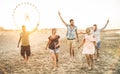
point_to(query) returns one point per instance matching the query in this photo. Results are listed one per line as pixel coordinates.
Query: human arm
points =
(81, 33)
(77, 36)
(48, 44)
(62, 18)
(19, 41)
(94, 41)
(105, 25)
(34, 29)
(58, 44)
(95, 44)
(82, 43)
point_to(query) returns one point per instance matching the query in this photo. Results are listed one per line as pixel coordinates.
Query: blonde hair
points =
(53, 29)
(88, 30)
(23, 26)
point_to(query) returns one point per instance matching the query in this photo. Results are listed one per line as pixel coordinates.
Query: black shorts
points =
(25, 50)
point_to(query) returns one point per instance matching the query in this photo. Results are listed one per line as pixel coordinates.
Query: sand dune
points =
(40, 61)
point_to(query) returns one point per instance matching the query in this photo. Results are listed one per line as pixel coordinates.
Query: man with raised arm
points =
(25, 45)
(96, 33)
(71, 35)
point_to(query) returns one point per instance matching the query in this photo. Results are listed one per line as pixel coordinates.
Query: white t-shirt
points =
(97, 33)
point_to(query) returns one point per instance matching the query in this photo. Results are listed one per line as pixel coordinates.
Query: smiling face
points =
(71, 22)
(88, 30)
(53, 31)
(23, 28)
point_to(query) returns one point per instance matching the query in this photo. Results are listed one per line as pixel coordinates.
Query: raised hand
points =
(37, 24)
(45, 48)
(59, 13)
(108, 21)
(62, 19)
(17, 46)
(79, 47)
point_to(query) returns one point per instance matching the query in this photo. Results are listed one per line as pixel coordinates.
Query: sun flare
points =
(26, 14)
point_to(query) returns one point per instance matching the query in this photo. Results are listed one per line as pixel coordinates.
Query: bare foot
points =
(89, 68)
(54, 68)
(71, 58)
(113, 66)
(26, 60)
(98, 60)
(57, 65)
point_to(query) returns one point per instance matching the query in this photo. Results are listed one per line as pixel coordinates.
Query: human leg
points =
(88, 61)
(23, 52)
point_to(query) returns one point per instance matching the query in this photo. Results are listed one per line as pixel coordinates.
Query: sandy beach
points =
(11, 61)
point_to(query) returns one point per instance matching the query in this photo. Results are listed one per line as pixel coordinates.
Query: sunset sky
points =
(84, 12)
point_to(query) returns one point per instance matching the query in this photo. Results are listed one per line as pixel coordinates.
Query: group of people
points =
(90, 43)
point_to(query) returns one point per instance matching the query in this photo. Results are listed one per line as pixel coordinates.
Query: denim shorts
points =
(54, 50)
(98, 45)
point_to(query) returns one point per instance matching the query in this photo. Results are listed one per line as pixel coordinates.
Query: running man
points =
(96, 33)
(25, 45)
(71, 35)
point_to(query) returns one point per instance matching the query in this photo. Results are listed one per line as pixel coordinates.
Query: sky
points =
(84, 12)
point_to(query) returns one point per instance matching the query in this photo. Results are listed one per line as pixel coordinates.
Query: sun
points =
(26, 14)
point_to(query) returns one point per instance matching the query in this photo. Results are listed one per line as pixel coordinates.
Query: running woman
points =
(54, 45)
(88, 44)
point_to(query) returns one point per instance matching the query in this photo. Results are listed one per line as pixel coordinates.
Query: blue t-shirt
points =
(71, 33)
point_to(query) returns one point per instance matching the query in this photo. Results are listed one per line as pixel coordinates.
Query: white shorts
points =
(54, 50)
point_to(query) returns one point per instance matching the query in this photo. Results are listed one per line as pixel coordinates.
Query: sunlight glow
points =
(26, 15)
(84, 12)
